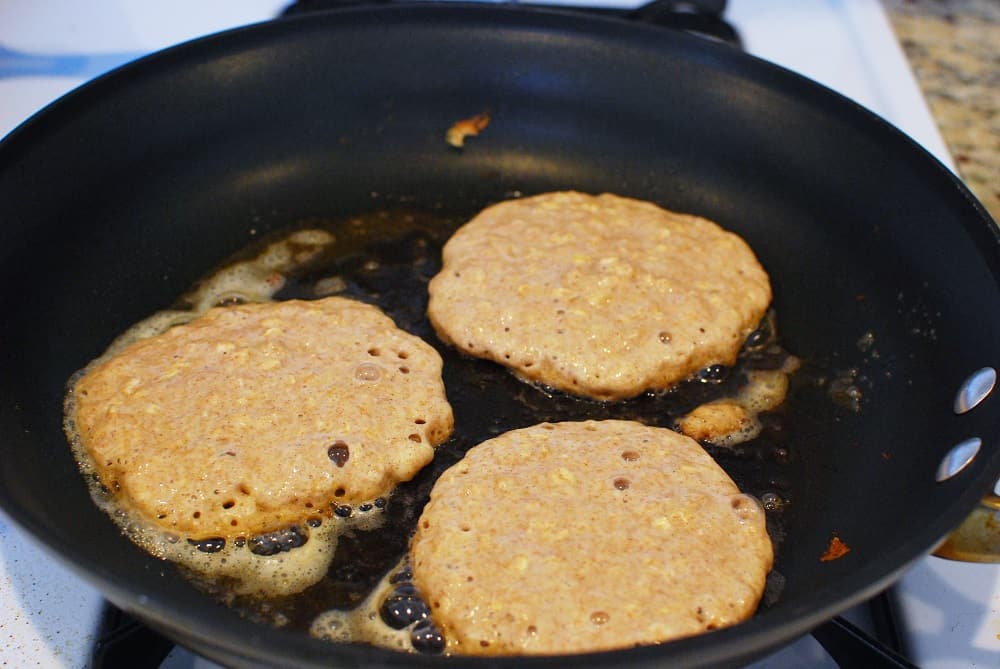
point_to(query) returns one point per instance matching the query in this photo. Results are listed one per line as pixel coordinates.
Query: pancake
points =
(253, 418)
(599, 296)
(587, 536)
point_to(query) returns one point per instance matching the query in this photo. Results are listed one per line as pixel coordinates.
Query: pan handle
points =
(977, 539)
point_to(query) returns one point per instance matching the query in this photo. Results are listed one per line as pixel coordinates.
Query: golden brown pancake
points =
(601, 296)
(255, 417)
(575, 537)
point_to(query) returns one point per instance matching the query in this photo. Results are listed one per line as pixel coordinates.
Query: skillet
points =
(118, 197)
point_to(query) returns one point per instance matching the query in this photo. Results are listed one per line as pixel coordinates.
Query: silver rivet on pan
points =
(975, 389)
(958, 458)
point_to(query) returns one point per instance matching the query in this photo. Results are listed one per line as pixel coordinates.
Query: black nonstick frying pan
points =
(885, 269)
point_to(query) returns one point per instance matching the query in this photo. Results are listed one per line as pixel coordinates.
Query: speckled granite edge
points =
(952, 46)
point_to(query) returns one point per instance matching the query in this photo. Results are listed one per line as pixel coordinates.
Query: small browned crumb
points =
(712, 421)
(836, 549)
(465, 128)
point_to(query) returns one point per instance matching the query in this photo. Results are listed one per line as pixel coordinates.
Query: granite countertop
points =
(954, 49)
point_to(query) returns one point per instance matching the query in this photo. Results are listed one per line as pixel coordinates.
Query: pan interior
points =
(118, 198)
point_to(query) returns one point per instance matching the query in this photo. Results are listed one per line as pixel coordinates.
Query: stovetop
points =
(947, 614)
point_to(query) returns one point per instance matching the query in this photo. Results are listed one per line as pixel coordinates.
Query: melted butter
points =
(735, 419)
(256, 279)
(363, 622)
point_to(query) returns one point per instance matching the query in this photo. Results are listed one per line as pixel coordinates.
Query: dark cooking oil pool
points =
(387, 258)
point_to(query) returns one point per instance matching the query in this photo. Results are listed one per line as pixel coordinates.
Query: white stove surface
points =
(48, 616)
